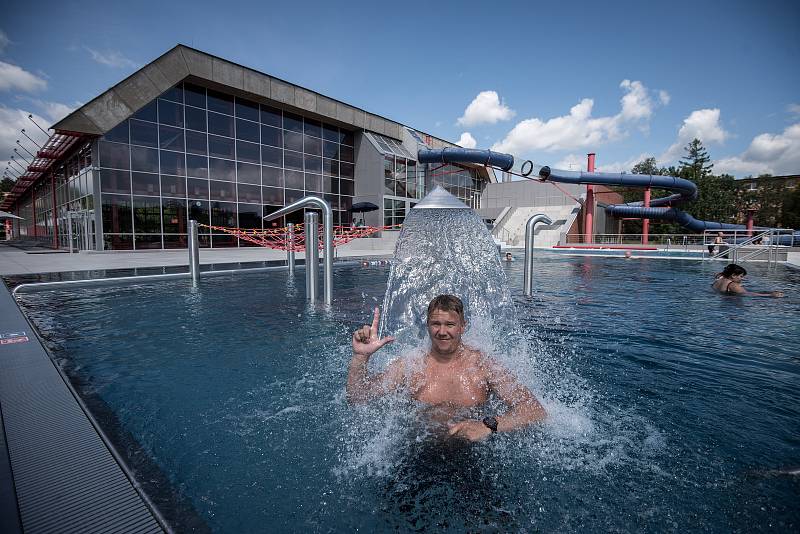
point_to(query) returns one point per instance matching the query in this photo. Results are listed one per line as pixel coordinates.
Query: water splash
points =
(444, 251)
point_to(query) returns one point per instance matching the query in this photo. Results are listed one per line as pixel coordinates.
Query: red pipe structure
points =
(589, 213)
(646, 222)
(749, 224)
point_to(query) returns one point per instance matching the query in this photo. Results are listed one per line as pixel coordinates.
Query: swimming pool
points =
(670, 407)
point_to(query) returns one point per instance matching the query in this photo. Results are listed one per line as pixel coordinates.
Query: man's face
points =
(445, 329)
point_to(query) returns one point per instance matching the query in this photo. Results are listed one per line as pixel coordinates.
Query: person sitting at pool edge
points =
(729, 282)
(452, 375)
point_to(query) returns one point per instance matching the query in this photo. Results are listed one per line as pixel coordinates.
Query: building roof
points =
(184, 63)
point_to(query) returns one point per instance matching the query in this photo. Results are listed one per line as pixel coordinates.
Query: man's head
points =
(446, 323)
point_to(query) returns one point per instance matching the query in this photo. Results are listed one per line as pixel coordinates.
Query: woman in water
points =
(729, 282)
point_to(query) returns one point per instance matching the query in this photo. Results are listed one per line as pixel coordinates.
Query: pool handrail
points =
(194, 253)
(290, 247)
(327, 237)
(529, 227)
(312, 255)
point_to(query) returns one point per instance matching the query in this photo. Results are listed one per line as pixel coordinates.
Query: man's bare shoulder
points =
(479, 360)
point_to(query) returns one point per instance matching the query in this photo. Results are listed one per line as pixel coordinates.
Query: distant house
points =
(790, 181)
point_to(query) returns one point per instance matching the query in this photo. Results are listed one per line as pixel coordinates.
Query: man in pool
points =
(451, 377)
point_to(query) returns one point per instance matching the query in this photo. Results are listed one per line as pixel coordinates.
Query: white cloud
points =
(579, 129)
(14, 77)
(576, 130)
(486, 108)
(793, 109)
(11, 122)
(623, 166)
(571, 162)
(577, 162)
(768, 153)
(702, 124)
(4, 41)
(111, 58)
(664, 97)
(736, 166)
(636, 103)
(467, 141)
(54, 111)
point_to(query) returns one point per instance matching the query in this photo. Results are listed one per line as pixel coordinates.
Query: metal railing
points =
(529, 228)
(743, 248)
(504, 235)
(312, 240)
(657, 240)
(786, 235)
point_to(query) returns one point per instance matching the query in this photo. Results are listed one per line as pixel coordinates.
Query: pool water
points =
(671, 408)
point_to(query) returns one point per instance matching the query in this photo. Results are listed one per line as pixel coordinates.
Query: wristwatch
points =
(491, 423)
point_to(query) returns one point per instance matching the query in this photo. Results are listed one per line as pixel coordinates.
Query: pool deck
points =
(41, 260)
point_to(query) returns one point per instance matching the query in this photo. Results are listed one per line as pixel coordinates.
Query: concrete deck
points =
(14, 261)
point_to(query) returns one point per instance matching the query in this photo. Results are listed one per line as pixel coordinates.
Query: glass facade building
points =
(196, 153)
(224, 157)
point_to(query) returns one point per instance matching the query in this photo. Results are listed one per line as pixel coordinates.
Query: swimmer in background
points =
(451, 378)
(729, 282)
(712, 248)
(509, 257)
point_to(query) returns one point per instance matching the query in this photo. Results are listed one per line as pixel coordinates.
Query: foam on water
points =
(450, 251)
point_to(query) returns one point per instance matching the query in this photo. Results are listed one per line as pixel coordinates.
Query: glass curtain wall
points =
(74, 188)
(195, 153)
(404, 185)
(460, 182)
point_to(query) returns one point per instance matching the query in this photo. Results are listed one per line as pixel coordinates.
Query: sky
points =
(548, 82)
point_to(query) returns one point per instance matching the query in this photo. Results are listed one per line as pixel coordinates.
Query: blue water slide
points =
(662, 209)
(466, 155)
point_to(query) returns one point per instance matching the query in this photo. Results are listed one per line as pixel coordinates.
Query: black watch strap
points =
(491, 423)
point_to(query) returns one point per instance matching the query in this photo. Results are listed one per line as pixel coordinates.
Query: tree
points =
(790, 214)
(697, 163)
(768, 199)
(719, 198)
(6, 185)
(646, 166)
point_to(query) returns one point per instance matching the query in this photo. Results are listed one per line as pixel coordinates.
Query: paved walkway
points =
(16, 261)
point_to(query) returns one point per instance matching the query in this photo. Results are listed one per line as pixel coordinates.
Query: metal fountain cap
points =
(439, 198)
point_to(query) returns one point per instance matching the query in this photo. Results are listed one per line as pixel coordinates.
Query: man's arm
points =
(524, 408)
(360, 386)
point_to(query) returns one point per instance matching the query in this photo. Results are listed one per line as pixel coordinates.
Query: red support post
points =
(589, 207)
(749, 226)
(54, 211)
(646, 222)
(33, 207)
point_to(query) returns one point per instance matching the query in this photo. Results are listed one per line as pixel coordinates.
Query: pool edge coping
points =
(38, 356)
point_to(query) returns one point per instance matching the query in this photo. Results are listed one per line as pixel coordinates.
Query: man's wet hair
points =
(446, 303)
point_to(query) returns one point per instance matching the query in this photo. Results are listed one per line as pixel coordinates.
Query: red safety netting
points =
(278, 238)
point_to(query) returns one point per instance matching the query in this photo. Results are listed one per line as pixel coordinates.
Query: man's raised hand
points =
(365, 339)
